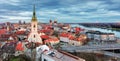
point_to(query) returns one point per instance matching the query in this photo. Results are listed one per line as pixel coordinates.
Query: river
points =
(117, 33)
(93, 56)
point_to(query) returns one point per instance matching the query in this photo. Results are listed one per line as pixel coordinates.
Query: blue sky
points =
(61, 10)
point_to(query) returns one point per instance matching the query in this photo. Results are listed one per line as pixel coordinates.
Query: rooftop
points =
(63, 56)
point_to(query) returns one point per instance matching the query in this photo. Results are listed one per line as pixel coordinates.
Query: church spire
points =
(34, 18)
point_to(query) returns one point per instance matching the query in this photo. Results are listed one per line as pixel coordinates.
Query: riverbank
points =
(102, 26)
(93, 56)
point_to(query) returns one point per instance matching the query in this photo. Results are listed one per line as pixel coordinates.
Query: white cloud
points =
(3, 10)
(25, 13)
(112, 13)
(11, 2)
(48, 13)
(115, 1)
(15, 17)
(68, 10)
(95, 5)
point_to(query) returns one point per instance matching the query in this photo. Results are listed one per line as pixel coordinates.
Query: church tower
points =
(34, 36)
(34, 21)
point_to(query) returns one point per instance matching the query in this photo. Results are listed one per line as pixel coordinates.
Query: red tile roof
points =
(52, 40)
(45, 30)
(44, 36)
(19, 46)
(20, 32)
(3, 31)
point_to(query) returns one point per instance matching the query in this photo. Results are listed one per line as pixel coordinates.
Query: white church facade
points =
(34, 36)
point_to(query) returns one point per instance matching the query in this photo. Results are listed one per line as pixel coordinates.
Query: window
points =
(34, 26)
(34, 36)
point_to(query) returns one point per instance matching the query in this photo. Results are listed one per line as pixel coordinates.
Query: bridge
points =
(71, 48)
(94, 49)
(111, 54)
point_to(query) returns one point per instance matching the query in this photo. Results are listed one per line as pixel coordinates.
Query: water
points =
(117, 33)
(93, 56)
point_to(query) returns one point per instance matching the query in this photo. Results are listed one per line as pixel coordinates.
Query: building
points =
(100, 37)
(34, 36)
(44, 53)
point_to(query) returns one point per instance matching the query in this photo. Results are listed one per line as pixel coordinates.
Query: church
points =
(34, 36)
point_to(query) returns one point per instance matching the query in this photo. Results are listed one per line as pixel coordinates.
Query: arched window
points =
(34, 26)
(34, 36)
